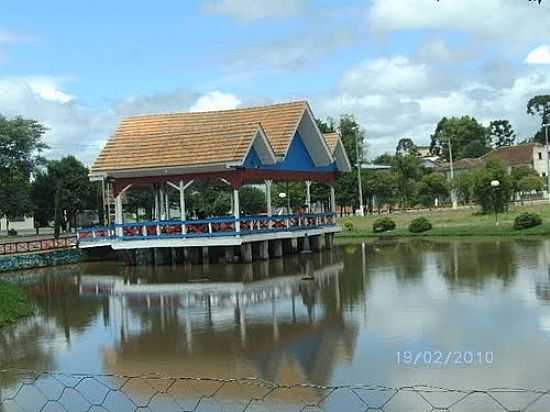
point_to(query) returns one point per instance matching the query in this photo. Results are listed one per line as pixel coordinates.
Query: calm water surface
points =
(366, 305)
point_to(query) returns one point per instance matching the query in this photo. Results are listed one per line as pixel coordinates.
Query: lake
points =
(468, 313)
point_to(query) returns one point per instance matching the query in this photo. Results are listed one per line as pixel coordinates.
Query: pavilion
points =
(256, 145)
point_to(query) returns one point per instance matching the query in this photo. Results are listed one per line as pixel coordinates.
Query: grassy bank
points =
(462, 222)
(13, 303)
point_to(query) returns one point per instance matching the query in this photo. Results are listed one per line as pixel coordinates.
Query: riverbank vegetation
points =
(448, 222)
(13, 303)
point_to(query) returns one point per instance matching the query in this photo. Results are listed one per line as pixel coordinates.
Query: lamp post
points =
(495, 185)
(282, 195)
(547, 161)
(359, 182)
(453, 193)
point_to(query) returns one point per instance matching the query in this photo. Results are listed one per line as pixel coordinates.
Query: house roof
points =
(332, 140)
(521, 154)
(188, 139)
(466, 163)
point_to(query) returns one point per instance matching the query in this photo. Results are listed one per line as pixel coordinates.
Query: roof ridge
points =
(246, 108)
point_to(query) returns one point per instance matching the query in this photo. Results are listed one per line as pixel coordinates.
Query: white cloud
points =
(74, 128)
(396, 97)
(540, 55)
(288, 53)
(215, 101)
(386, 75)
(487, 18)
(257, 9)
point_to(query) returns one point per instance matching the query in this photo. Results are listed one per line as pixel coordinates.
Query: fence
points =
(39, 245)
(50, 391)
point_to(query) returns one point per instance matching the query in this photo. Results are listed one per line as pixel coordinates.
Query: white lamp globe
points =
(495, 183)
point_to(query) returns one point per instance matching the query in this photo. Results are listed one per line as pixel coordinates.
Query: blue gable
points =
(252, 160)
(297, 159)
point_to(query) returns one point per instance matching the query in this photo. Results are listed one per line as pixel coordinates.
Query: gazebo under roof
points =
(279, 142)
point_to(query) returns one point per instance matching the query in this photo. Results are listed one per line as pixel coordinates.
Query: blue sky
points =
(397, 66)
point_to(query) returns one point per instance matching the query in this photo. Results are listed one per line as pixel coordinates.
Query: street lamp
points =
(453, 192)
(495, 185)
(359, 182)
(282, 195)
(547, 161)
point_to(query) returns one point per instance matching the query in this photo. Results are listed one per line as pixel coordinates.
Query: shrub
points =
(526, 220)
(419, 225)
(12, 232)
(348, 225)
(383, 225)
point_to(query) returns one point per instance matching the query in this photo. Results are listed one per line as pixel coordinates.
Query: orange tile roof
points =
(521, 154)
(332, 140)
(192, 139)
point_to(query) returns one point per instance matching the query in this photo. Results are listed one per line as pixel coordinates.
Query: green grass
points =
(13, 303)
(447, 222)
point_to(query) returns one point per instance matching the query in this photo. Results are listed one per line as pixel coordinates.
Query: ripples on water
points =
(366, 303)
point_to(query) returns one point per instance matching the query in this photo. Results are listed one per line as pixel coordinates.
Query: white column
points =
(268, 201)
(236, 210)
(332, 199)
(157, 205)
(308, 195)
(166, 204)
(118, 214)
(183, 215)
(162, 200)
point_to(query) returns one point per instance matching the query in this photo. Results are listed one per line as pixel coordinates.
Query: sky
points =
(397, 65)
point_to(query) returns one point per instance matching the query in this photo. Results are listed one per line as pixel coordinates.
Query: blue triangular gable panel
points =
(252, 159)
(298, 158)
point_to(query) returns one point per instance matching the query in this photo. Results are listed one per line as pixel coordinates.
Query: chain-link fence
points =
(52, 391)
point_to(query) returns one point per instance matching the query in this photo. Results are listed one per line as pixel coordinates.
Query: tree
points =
(382, 185)
(540, 106)
(464, 185)
(383, 159)
(493, 199)
(532, 183)
(501, 133)
(325, 126)
(20, 147)
(14, 195)
(431, 187)
(141, 198)
(467, 136)
(252, 200)
(407, 170)
(406, 146)
(21, 144)
(66, 182)
(42, 194)
(353, 137)
(519, 173)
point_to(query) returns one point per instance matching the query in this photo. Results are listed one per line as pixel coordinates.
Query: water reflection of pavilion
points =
(285, 329)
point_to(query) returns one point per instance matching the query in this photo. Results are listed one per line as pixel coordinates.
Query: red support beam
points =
(236, 177)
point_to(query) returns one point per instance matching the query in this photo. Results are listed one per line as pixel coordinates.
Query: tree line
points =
(49, 190)
(408, 183)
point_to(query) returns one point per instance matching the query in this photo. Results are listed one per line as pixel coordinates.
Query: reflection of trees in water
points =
(399, 257)
(23, 346)
(474, 263)
(58, 299)
(58, 310)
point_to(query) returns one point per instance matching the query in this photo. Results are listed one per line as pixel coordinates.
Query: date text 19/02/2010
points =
(444, 358)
